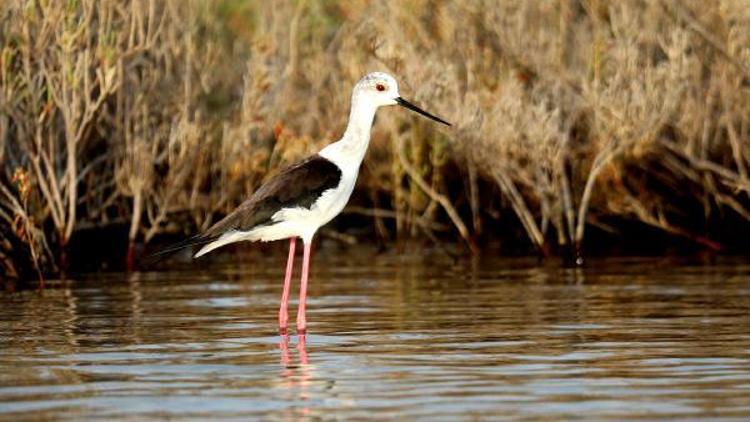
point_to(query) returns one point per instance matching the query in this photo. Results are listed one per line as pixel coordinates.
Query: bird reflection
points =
(302, 350)
(286, 357)
(296, 378)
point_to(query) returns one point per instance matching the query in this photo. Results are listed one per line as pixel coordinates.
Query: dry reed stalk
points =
(165, 115)
(437, 197)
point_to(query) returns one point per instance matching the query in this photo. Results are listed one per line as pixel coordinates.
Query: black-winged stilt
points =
(297, 201)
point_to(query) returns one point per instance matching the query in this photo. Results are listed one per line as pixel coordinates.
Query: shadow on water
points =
(389, 336)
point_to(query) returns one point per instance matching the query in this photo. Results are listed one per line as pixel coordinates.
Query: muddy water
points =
(389, 336)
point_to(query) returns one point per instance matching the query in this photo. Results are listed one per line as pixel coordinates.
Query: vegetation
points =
(161, 116)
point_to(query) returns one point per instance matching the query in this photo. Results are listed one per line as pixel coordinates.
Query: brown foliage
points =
(155, 112)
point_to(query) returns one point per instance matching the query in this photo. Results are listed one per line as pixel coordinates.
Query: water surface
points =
(389, 336)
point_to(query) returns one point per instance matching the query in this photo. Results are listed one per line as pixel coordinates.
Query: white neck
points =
(349, 151)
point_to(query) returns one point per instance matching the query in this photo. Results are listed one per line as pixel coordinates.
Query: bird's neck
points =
(351, 148)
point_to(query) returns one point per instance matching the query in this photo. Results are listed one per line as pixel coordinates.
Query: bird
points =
(299, 199)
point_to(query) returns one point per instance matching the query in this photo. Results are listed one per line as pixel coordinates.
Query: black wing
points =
(298, 185)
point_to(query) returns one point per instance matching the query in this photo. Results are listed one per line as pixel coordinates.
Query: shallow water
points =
(389, 336)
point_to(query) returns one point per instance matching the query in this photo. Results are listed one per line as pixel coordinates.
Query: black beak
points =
(403, 103)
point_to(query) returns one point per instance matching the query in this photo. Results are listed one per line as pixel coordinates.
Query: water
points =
(390, 337)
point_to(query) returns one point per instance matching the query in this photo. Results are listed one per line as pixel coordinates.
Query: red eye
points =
(380, 87)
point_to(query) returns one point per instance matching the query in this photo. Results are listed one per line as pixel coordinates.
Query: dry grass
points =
(155, 114)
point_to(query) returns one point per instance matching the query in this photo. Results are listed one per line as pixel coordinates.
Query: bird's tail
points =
(224, 239)
(197, 240)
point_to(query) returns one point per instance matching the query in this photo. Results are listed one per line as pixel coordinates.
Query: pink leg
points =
(283, 314)
(301, 321)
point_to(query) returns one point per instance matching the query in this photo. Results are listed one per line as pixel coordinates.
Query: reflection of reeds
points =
(155, 112)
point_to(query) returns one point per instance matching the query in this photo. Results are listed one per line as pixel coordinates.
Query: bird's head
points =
(381, 89)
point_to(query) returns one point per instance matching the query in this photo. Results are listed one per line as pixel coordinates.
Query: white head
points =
(377, 88)
(381, 89)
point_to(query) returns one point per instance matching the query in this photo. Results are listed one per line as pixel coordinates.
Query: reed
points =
(161, 116)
